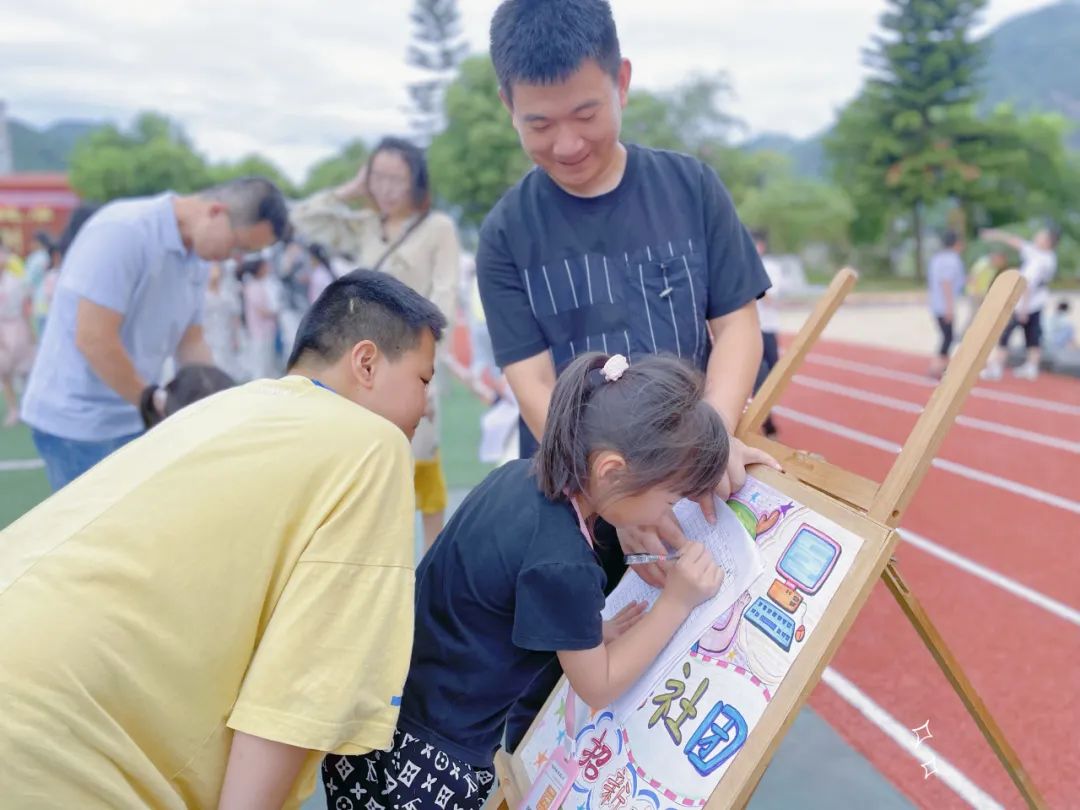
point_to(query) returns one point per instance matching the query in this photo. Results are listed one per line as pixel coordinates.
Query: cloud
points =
(295, 79)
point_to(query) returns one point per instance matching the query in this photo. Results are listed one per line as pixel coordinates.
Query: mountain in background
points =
(1032, 63)
(45, 150)
(807, 155)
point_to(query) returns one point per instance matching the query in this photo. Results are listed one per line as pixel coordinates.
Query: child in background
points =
(16, 336)
(1038, 264)
(191, 383)
(221, 320)
(514, 580)
(322, 275)
(769, 319)
(262, 304)
(1060, 332)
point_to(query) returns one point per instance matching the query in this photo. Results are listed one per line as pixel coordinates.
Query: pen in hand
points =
(645, 559)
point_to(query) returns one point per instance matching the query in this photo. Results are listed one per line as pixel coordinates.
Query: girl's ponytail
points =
(562, 462)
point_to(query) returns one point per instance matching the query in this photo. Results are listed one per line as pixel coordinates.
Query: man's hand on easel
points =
(666, 536)
(740, 457)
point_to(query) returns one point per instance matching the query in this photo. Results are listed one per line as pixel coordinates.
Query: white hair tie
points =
(615, 366)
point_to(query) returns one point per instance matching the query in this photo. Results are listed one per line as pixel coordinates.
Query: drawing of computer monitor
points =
(803, 567)
(808, 560)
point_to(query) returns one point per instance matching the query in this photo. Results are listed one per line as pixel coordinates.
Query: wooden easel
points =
(872, 508)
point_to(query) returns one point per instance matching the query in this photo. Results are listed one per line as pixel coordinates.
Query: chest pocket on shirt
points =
(667, 301)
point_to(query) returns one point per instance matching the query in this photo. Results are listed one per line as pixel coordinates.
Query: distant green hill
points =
(1033, 63)
(807, 156)
(45, 150)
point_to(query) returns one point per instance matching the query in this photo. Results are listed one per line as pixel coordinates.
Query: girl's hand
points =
(623, 621)
(694, 577)
(665, 536)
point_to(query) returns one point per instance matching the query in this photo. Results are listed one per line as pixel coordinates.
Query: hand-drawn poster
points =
(674, 748)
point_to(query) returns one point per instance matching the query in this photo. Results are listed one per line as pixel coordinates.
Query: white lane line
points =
(1015, 487)
(906, 406)
(21, 464)
(925, 382)
(1040, 600)
(921, 753)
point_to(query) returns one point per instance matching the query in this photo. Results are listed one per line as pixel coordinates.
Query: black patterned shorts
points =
(413, 775)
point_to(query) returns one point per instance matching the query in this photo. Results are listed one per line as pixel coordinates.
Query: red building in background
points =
(33, 201)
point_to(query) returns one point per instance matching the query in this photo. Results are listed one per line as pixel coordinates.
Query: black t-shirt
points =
(510, 581)
(639, 270)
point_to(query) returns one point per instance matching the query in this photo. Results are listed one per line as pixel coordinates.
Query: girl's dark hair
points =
(413, 156)
(251, 267)
(190, 384)
(319, 254)
(654, 416)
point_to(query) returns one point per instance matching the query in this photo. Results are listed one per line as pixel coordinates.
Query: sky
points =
(295, 79)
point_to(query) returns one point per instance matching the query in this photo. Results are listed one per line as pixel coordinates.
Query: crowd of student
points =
(206, 611)
(948, 282)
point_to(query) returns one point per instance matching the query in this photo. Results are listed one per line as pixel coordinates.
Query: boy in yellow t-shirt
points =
(196, 620)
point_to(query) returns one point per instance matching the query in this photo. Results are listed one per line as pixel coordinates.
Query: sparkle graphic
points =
(929, 767)
(920, 738)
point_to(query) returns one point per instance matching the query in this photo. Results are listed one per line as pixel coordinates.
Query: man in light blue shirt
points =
(945, 277)
(130, 296)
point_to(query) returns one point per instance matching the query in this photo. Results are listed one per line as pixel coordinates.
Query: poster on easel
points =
(687, 724)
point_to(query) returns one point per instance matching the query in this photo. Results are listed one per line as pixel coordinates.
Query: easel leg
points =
(962, 686)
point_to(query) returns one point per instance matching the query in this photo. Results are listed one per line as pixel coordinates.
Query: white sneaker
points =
(1026, 372)
(991, 373)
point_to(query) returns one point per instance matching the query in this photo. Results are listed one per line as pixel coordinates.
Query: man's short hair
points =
(252, 200)
(949, 238)
(545, 41)
(365, 305)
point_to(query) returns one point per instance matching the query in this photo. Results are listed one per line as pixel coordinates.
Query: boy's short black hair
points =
(949, 238)
(544, 41)
(1063, 305)
(365, 305)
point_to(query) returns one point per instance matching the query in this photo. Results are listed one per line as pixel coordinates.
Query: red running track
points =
(1023, 659)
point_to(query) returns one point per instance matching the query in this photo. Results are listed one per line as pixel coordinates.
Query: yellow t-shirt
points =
(248, 565)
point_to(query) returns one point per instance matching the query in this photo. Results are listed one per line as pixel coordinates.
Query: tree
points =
(254, 165)
(647, 121)
(1035, 175)
(797, 212)
(333, 171)
(912, 138)
(688, 118)
(437, 49)
(155, 155)
(477, 157)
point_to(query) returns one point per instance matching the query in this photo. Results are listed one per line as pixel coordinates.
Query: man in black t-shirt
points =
(605, 246)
